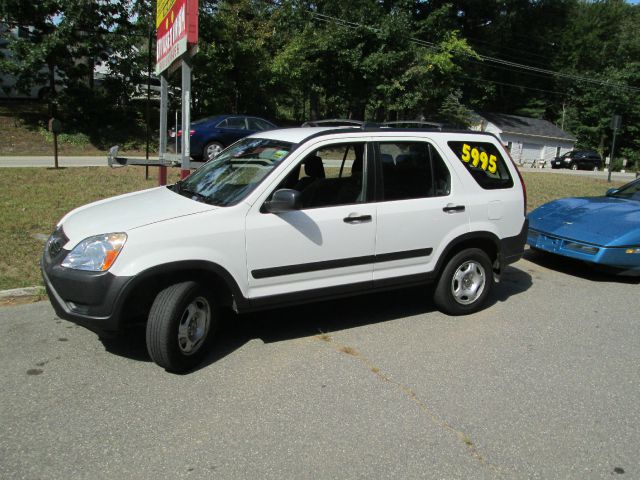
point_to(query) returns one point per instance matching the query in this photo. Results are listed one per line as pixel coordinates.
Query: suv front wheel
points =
(465, 283)
(182, 321)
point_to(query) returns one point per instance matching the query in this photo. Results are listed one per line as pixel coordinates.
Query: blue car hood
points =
(607, 221)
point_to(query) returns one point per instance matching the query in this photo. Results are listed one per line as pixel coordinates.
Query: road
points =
(101, 161)
(542, 384)
(603, 175)
(47, 161)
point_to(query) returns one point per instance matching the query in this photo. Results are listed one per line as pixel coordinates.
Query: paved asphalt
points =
(101, 161)
(48, 161)
(543, 384)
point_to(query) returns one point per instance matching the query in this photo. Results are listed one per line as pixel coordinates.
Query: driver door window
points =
(330, 176)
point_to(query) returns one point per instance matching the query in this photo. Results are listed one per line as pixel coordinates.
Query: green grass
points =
(544, 187)
(32, 201)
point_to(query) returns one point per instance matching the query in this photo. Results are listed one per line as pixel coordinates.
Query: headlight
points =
(96, 254)
(567, 160)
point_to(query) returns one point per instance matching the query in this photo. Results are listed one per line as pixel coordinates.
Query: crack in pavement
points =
(411, 395)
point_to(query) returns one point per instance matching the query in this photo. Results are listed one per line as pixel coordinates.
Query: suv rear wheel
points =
(465, 283)
(182, 321)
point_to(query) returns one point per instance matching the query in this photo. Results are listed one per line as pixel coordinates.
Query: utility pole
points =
(150, 44)
(616, 122)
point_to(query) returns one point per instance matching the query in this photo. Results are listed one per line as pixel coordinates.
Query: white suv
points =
(290, 216)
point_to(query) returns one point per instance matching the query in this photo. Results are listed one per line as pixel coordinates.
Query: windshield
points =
(235, 172)
(631, 190)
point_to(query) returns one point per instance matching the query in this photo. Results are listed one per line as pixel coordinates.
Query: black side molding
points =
(339, 263)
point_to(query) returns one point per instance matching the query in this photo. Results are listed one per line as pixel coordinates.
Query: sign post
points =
(186, 118)
(55, 127)
(616, 122)
(177, 41)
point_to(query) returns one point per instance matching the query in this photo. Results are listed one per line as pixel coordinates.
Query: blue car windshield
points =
(631, 191)
(235, 172)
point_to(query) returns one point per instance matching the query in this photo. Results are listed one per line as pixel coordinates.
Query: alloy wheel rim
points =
(468, 282)
(213, 150)
(194, 326)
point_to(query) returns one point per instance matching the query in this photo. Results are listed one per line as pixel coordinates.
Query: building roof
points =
(526, 126)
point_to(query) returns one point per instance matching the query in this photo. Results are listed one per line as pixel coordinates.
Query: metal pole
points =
(613, 147)
(164, 89)
(55, 149)
(186, 118)
(146, 168)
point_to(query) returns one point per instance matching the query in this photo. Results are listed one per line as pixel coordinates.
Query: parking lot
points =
(542, 384)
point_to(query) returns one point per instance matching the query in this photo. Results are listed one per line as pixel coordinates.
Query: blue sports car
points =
(601, 230)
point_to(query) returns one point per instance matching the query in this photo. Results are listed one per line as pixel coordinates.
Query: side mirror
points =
(611, 191)
(283, 200)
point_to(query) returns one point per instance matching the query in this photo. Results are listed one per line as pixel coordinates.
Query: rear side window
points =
(259, 124)
(234, 122)
(484, 162)
(412, 170)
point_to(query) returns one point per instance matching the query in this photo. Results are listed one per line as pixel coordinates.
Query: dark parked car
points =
(578, 160)
(209, 136)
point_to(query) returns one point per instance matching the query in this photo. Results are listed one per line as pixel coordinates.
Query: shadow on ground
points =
(311, 319)
(579, 269)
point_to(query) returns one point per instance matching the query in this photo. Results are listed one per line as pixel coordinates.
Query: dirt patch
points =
(14, 301)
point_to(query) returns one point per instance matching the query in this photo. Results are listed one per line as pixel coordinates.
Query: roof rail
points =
(415, 124)
(334, 122)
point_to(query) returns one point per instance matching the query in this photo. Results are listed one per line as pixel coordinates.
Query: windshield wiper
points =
(185, 192)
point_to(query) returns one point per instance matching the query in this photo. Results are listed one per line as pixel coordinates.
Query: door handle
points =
(357, 219)
(451, 208)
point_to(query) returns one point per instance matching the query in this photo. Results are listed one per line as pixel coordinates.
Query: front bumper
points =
(90, 299)
(615, 257)
(559, 164)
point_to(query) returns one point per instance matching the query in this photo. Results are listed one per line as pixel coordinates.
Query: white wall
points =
(538, 148)
(546, 147)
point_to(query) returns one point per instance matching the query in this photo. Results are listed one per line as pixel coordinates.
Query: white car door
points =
(329, 241)
(422, 207)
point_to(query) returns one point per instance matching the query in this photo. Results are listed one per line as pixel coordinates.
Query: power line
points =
(353, 25)
(514, 85)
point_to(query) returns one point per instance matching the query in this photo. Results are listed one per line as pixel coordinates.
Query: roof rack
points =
(414, 124)
(334, 122)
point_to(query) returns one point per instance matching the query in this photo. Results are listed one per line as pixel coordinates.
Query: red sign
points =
(177, 30)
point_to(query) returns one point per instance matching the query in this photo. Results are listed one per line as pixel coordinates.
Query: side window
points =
(258, 124)
(330, 176)
(236, 122)
(222, 124)
(412, 170)
(484, 162)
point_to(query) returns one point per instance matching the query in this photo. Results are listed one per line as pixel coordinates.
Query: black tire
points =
(574, 166)
(181, 313)
(479, 267)
(215, 146)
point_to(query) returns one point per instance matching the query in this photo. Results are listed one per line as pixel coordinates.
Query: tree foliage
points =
(292, 60)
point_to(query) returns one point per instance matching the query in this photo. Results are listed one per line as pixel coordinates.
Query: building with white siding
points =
(528, 139)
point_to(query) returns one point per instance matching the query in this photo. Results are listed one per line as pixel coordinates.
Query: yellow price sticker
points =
(478, 159)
